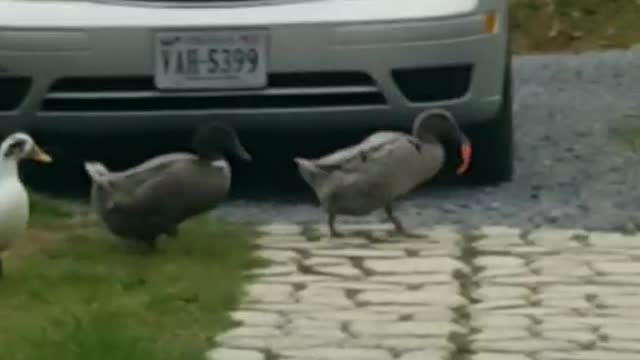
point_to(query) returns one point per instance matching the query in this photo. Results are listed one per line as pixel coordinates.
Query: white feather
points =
(14, 211)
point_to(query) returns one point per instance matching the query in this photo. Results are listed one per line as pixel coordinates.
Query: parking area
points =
(489, 293)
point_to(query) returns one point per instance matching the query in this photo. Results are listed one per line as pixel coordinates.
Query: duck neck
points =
(210, 157)
(8, 169)
(429, 139)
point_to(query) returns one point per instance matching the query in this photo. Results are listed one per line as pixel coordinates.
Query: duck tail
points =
(96, 170)
(308, 170)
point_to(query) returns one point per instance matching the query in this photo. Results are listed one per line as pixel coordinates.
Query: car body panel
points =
(51, 40)
(98, 14)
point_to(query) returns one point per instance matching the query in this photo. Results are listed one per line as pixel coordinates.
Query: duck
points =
(153, 198)
(371, 175)
(14, 198)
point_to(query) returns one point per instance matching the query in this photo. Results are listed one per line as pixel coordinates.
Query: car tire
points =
(493, 142)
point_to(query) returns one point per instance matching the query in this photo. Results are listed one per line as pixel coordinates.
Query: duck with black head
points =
(153, 198)
(372, 174)
(14, 198)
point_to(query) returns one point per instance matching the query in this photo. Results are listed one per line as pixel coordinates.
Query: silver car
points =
(118, 65)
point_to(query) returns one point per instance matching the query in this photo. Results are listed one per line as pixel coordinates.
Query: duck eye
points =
(15, 148)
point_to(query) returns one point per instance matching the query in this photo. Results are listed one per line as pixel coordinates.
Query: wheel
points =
(493, 142)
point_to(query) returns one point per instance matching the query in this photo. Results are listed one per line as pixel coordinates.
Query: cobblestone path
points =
(490, 294)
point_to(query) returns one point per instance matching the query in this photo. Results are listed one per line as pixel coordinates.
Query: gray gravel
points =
(570, 171)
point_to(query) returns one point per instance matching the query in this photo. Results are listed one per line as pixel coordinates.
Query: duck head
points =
(440, 125)
(212, 140)
(19, 146)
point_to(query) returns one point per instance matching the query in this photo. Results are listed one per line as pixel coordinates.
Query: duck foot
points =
(333, 233)
(142, 246)
(151, 246)
(406, 234)
(399, 228)
(172, 232)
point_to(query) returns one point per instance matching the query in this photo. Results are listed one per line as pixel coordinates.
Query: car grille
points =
(433, 83)
(285, 91)
(13, 91)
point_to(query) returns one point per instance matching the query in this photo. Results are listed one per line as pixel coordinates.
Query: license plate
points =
(211, 60)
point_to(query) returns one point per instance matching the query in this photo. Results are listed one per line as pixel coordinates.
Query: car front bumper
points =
(357, 67)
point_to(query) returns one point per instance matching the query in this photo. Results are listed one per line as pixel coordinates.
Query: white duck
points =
(14, 199)
(385, 166)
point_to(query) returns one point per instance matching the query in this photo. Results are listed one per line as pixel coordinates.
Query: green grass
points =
(49, 212)
(71, 291)
(583, 25)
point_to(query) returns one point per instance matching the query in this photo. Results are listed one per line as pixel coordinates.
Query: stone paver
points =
(258, 318)
(269, 292)
(443, 265)
(525, 346)
(496, 292)
(332, 353)
(585, 338)
(551, 294)
(279, 256)
(501, 334)
(354, 315)
(436, 295)
(234, 354)
(403, 328)
(363, 285)
(401, 344)
(424, 354)
(361, 253)
(325, 296)
(281, 229)
(499, 356)
(586, 355)
(411, 279)
(345, 271)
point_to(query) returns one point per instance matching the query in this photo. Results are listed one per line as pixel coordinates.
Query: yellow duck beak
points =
(36, 154)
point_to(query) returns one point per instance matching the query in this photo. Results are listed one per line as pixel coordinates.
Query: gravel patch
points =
(570, 171)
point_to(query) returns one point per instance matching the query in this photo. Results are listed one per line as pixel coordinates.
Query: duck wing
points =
(392, 158)
(380, 147)
(376, 171)
(135, 176)
(176, 191)
(353, 156)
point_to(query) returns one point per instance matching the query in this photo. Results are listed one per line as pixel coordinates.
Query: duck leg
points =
(152, 244)
(332, 227)
(1, 269)
(172, 232)
(400, 229)
(142, 244)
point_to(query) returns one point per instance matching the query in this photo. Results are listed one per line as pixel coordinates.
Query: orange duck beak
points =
(465, 155)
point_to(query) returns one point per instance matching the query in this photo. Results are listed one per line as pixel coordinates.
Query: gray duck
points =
(386, 165)
(152, 199)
